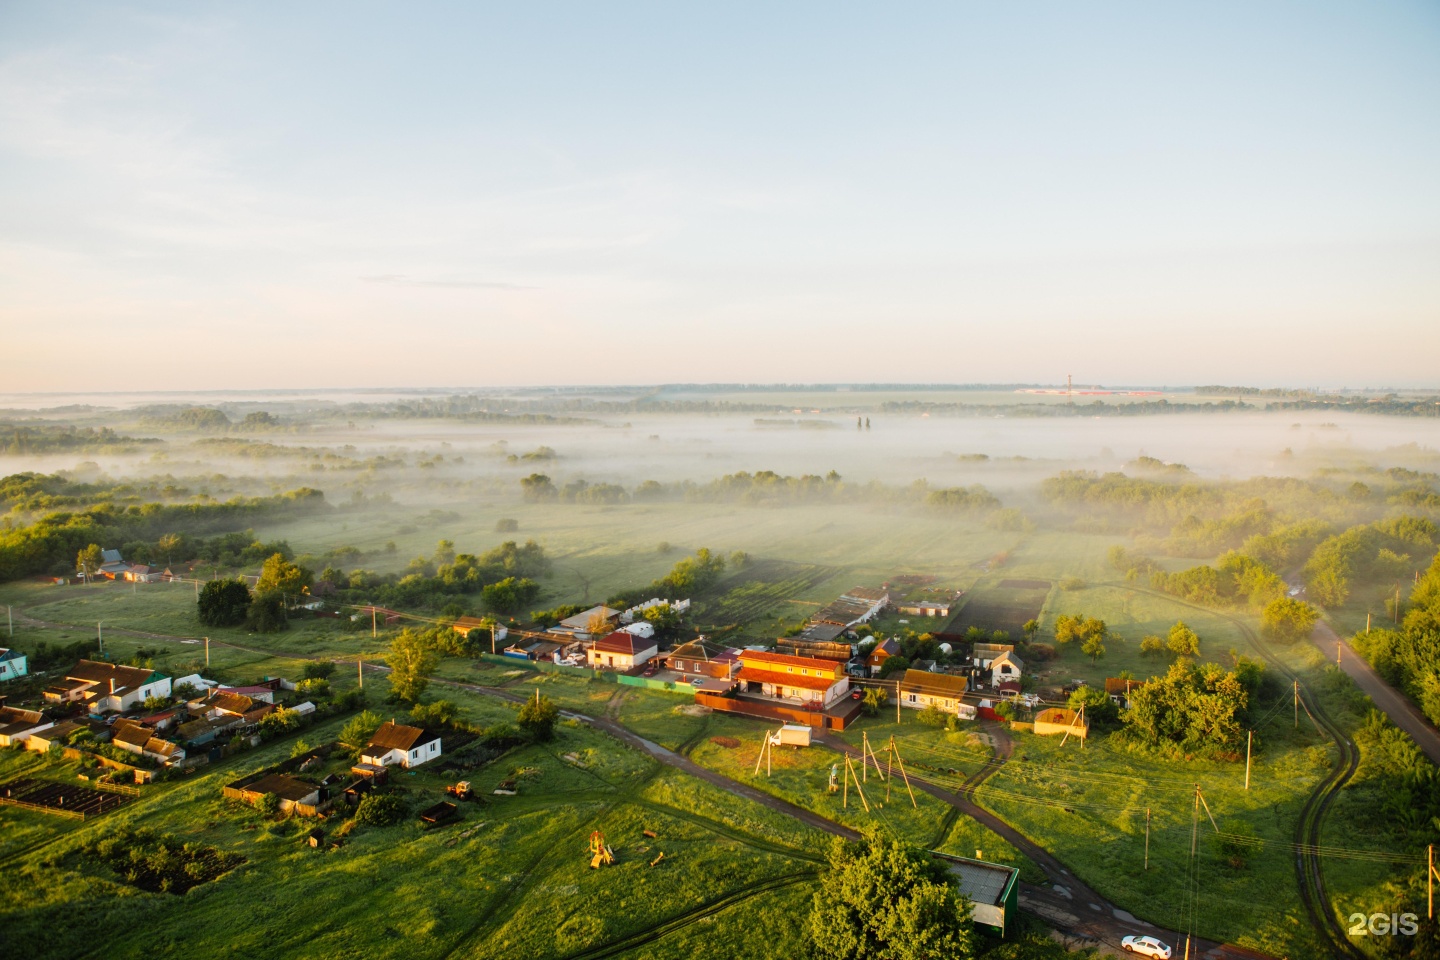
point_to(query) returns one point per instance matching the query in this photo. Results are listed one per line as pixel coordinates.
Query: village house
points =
(1005, 668)
(465, 625)
(926, 607)
(17, 725)
(13, 664)
(704, 658)
(811, 681)
(291, 791)
(943, 691)
(1118, 689)
(135, 737)
(882, 651)
(108, 687)
(621, 651)
(395, 743)
(42, 740)
(141, 573)
(579, 626)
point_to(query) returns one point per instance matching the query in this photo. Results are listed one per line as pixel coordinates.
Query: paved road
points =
(1388, 700)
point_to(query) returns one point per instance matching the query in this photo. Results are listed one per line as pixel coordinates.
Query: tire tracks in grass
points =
(692, 917)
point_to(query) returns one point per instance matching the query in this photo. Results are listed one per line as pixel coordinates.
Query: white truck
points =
(791, 735)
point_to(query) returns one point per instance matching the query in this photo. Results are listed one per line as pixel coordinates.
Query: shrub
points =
(933, 716)
(380, 810)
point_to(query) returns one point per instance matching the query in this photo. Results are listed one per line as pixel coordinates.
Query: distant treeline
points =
(1096, 408)
(205, 419)
(504, 578)
(1389, 406)
(1203, 518)
(762, 488)
(52, 542)
(17, 439)
(30, 493)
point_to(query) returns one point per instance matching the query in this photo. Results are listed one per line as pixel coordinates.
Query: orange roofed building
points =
(807, 679)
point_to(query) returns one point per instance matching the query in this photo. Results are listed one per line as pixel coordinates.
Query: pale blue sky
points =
(463, 194)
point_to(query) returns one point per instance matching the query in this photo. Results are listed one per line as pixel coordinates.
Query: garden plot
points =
(1006, 605)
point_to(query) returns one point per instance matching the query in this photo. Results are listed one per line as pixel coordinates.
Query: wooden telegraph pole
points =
(1430, 876)
(1147, 838)
(207, 651)
(1249, 736)
(1297, 704)
(894, 752)
(374, 623)
(360, 669)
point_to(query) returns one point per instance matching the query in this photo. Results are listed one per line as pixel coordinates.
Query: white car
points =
(1146, 947)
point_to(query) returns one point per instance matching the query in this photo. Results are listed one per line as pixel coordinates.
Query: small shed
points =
(442, 811)
(1061, 720)
(315, 838)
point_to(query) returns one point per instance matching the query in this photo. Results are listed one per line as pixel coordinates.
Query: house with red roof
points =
(809, 680)
(621, 651)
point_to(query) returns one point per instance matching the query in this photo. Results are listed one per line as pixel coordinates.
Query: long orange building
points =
(807, 679)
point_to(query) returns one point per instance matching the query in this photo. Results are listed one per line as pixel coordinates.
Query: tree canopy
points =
(883, 899)
(223, 603)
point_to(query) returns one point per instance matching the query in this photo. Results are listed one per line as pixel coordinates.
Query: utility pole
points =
(492, 638)
(374, 623)
(1249, 736)
(1147, 838)
(360, 668)
(1297, 704)
(1430, 876)
(9, 620)
(100, 635)
(1338, 648)
(207, 651)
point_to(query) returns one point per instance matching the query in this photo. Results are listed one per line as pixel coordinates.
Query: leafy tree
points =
(360, 728)
(1286, 619)
(167, 545)
(156, 704)
(266, 613)
(537, 487)
(318, 670)
(537, 717)
(224, 603)
(1193, 706)
(893, 665)
(875, 699)
(441, 713)
(313, 687)
(1094, 646)
(282, 575)
(279, 722)
(510, 594)
(1100, 711)
(411, 660)
(933, 716)
(380, 810)
(87, 561)
(1151, 645)
(268, 805)
(663, 617)
(1031, 628)
(883, 899)
(1080, 627)
(1183, 641)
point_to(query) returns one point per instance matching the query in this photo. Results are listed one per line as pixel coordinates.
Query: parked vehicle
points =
(1146, 947)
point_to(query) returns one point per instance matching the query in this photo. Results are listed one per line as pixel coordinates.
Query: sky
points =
(272, 195)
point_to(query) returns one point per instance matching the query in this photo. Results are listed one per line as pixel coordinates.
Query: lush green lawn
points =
(519, 885)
